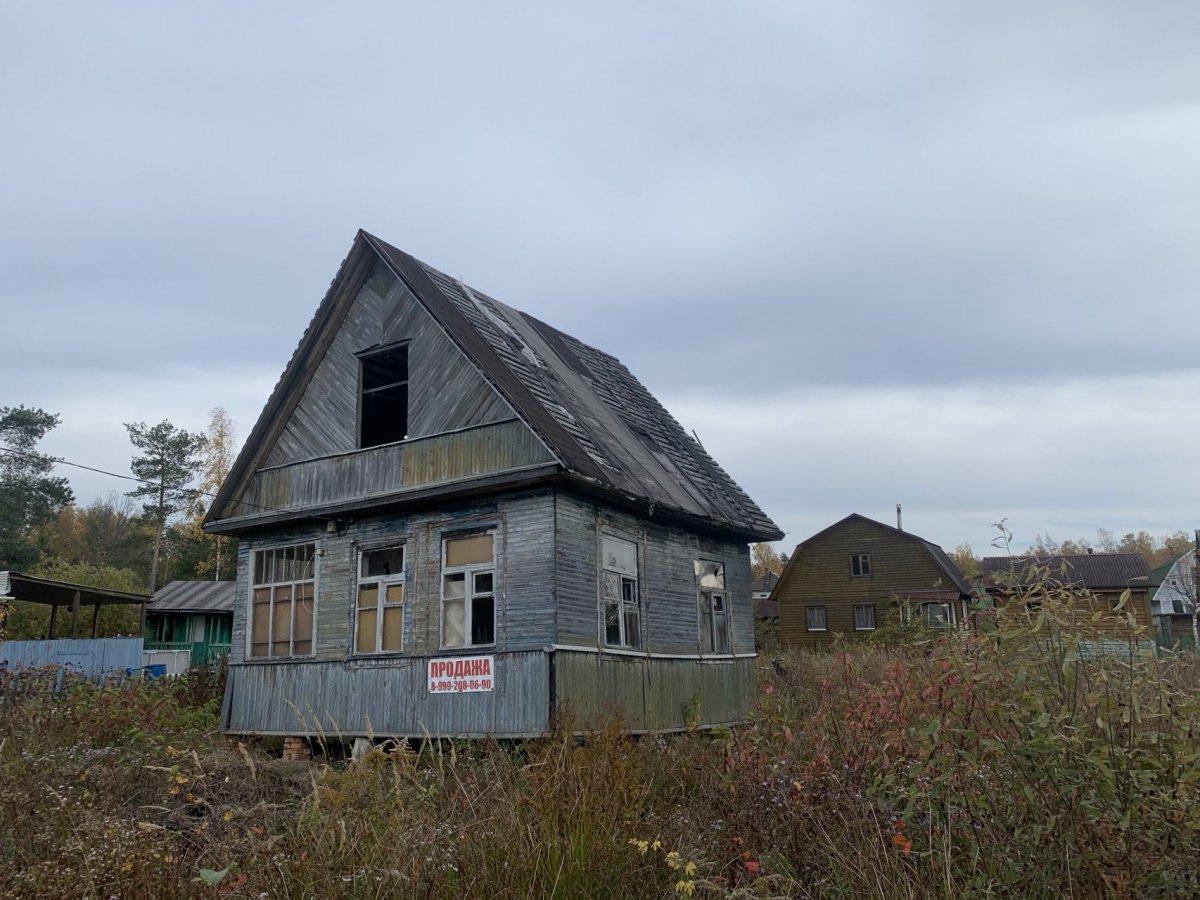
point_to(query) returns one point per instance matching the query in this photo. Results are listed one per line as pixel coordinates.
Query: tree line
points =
(134, 541)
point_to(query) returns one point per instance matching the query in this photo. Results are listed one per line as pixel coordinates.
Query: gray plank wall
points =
(446, 391)
(524, 524)
(671, 617)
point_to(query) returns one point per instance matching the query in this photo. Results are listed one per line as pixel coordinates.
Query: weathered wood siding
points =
(671, 620)
(394, 468)
(820, 576)
(652, 693)
(446, 391)
(386, 698)
(524, 572)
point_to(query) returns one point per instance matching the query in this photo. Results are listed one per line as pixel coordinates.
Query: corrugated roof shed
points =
(1095, 571)
(194, 596)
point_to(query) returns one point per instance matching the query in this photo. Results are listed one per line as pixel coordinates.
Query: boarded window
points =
(714, 606)
(860, 564)
(383, 397)
(864, 618)
(620, 603)
(379, 616)
(282, 600)
(816, 618)
(469, 590)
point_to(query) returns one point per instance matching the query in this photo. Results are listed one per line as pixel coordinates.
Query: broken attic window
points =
(383, 401)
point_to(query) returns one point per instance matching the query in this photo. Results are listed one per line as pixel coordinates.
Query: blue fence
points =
(86, 657)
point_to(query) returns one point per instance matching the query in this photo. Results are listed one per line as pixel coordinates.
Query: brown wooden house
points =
(1097, 581)
(859, 575)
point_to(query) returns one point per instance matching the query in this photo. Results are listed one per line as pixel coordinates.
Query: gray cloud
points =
(887, 202)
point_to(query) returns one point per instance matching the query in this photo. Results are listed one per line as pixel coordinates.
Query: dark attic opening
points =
(383, 399)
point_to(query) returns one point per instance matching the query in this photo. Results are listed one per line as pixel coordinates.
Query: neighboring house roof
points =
(947, 565)
(764, 583)
(607, 431)
(61, 593)
(1174, 586)
(1095, 571)
(194, 596)
(766, 609)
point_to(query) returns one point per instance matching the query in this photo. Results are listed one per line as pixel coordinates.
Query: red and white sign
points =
(461, 674)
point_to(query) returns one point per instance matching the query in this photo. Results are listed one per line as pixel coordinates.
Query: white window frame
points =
(381, 583)
(707, 600)
(274, 585)
(469, 572)
(864, 606)
(948, 622)
(627, 584)
(862, 562)
(808, 618)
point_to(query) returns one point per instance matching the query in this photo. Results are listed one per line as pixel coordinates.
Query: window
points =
(281, 614)
(714, 607)
(619, 592)
(816, 618)
(383, 398)
(864, 618)
(379, 612)
(860, 564)
(939, 615)
(469, 590)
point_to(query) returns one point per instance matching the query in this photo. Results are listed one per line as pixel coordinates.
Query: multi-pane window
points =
(281, 607)
(621, 608)
(816, 618)
(469, 590)
(383, 397)
(864, 618)
(860, 564)
(939, 615)
(714, 607)
(379, 615)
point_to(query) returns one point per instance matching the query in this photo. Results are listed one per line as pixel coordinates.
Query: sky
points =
(930, 253)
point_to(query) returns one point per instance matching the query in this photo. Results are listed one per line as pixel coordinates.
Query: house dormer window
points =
(860, 564)
(383, 396)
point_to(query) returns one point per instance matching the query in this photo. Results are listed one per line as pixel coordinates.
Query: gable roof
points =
(194, 596)
(1095, 571)
(944, 562)
(607, 432)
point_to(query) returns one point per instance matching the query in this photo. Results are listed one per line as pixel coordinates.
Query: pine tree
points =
(170, 459)
(29, 495)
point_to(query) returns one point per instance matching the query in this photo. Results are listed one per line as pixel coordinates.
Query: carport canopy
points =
(56, 594)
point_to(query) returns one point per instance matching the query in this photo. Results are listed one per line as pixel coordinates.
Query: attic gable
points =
(574, 406)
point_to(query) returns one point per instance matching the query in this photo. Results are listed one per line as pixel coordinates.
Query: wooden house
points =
(859, 575)
(196, 616)
(1173, 600)
(455, 519)
(1098, 581)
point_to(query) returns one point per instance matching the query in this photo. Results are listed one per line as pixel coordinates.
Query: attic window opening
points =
(860, 565)
(383, 397)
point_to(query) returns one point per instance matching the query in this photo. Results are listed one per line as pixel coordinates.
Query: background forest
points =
(136, 540)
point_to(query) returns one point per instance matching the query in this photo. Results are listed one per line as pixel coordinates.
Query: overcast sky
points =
(942, 254)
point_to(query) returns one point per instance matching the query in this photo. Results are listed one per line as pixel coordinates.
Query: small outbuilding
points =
(192, 616)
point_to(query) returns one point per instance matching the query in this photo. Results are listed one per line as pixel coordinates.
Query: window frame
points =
(808, 618)
(382, 604)
(870, 607)
(274, 601)
(364, 358)
(861, 562)
(706, 598)
(469, 571)
(623, 604)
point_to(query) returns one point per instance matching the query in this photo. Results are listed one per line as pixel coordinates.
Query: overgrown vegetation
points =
(1007, 762)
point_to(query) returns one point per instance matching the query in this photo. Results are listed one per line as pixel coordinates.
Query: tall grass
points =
(1008, 762)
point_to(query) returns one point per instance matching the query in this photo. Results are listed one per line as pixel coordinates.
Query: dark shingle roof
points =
(764, 583)
(591, 411)
(194, 596)
(1095, 571)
